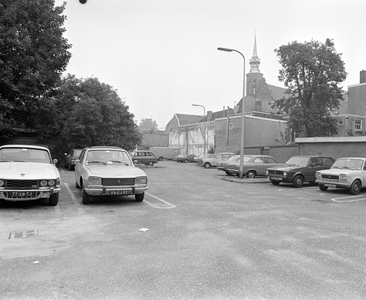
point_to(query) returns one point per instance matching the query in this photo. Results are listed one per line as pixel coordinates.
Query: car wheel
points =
(275, 182)
(250, 174)
(160, 158)
(53, 200)
(228, 173)
(77, 185)
(186, 161)
(322, 187)
(139, 197)
(355, 187)
(207, 165)
(86, 198)
(298, 181)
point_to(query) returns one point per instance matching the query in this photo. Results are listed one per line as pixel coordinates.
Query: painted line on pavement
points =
(73, 198)
(349, 197)
(169, 205)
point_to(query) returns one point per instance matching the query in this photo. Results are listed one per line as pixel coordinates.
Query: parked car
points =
(71, 157)
(108, 171)
(28, 173)
(253, 165)
(185, 158)
(299, 169)
(214, 160)
(346, 173)
(223, 165)
(144, 157)
(165, 152)
(204, 156)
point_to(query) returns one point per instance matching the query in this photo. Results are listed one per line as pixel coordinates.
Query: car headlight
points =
(141, 180)
(2, 182)
(267, 172)
(342, 177)
(93, 180)
(285, 174)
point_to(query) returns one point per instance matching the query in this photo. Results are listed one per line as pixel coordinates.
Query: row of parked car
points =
(345, 172)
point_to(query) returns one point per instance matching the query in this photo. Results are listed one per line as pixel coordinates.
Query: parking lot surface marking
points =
(74, 198)
(341, 199)
(168, 205)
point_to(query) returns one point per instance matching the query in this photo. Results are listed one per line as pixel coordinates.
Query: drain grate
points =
(23, 234)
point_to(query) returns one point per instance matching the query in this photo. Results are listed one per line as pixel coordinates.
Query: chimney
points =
(363, 76)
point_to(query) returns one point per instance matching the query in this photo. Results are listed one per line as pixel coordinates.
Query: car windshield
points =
(348, 163)
(298, 161)
(24, 155)
(108, 157)
(77, 152)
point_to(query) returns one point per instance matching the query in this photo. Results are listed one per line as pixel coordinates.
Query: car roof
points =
(24, 146)
(352, 157)
(309, 155)
(105, 148)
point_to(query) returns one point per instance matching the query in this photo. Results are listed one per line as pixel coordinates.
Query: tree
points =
(33, 55)
(99, 117)
(312, 72)
(148, 125)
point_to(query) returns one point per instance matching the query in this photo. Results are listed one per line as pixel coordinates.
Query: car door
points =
(314, 164)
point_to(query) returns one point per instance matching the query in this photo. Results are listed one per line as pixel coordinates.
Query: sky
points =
(161, 55)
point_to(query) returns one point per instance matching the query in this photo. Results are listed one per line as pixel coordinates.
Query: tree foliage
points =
(97, 116)
(148, 125)
(33, 55)
(311, 72)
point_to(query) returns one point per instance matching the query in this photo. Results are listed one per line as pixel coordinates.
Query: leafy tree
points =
(312, 72)
(148, 125)
(33, 55)
(99, 117)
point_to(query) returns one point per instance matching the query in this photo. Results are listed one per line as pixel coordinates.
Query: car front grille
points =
(21, 184)
(275, 172)
(118, 181)
(330, 177)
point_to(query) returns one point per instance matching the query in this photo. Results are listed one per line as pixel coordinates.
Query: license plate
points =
(122, 192)
(276, 178)
(330, 185)
(22, 195)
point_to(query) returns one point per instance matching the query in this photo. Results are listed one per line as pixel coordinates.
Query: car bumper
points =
(280, 179)
(27, 195)
(115, 191)
(345, 185)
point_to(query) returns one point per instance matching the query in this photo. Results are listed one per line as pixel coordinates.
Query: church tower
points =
(254, 77)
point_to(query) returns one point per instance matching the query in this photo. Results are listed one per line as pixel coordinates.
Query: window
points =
(358, 125)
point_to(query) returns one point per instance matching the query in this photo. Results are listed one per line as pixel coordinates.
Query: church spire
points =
(254, 61)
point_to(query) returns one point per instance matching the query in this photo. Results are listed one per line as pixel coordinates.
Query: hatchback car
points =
(144, 157)
(346, 173)
(299, 169)
(71, 157)
(28, 173)
(108, 171)
(253, 165)
(223, 165)
(216, 159)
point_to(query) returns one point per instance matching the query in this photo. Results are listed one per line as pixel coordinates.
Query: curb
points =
(246, 180)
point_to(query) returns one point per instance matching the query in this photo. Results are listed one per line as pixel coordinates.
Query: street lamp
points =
(204, 126)
(241, 175)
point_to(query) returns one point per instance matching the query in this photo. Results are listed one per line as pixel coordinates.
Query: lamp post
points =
(241, 175)
(204, 126)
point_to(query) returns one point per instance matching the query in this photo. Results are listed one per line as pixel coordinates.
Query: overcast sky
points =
(161, 55)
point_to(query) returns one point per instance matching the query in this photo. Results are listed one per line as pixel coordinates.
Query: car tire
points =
(77, 185)
(275, 182)
(160, 158)
(228, 173)
(355, 187)
(322, 187)
(207, 165)
(186, 161)
(139, 197)
(53, 200)
(85, 198)
(298, 181)
(250, 174)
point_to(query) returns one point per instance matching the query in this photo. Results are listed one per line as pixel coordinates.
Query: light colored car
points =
(27, 172)
(346, 172)
(253, 165)
(71, 157)
(108, 171)
(218, 158)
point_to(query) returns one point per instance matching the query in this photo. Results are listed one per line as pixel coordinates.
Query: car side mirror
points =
(55, 161)
(77, 161)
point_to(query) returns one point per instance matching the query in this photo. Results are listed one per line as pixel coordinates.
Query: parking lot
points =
(199, 234)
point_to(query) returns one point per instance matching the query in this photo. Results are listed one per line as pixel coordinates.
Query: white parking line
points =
(169, 205)
(348, 197)
(73, 198)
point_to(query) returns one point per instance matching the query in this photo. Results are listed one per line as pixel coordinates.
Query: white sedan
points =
(28, 173)
(108, 171)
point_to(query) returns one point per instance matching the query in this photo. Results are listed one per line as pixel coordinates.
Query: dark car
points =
(253, 165)
(223, 165)
(186, 158)
(71, 157)
(299, 169)
(144, 157)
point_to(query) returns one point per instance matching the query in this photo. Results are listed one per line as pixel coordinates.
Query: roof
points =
(184, 119)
